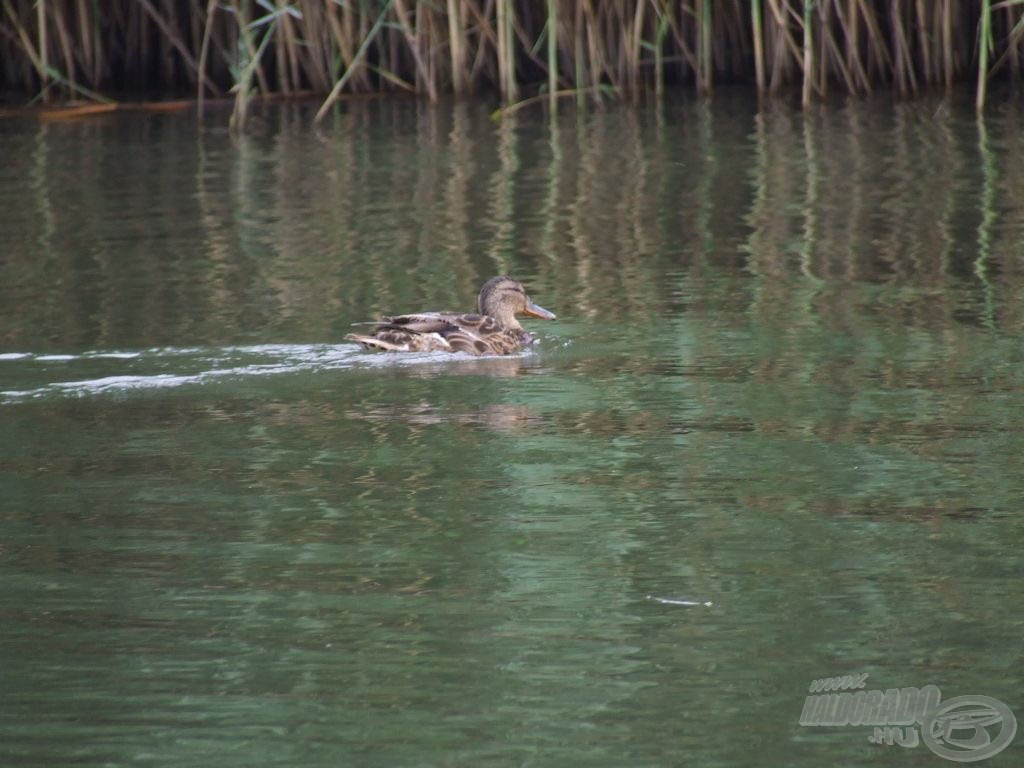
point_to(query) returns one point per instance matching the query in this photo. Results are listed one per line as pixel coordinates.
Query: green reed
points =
(68, 49)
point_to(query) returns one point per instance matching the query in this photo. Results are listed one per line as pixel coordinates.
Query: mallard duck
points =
(494, 331)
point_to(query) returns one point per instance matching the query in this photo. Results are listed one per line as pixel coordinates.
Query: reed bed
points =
(57, 50)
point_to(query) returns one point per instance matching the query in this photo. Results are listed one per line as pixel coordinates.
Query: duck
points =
(493, 330)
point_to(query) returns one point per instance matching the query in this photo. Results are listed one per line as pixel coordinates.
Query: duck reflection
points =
(503, 417)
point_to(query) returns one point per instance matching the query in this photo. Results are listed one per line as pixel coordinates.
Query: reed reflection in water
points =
(154, 235)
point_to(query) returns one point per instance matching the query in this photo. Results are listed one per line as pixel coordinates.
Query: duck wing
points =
(422, 332)
(422, 322)
(444, 331)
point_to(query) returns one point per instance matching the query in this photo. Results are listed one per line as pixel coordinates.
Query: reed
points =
(67, 49)
(808, 51)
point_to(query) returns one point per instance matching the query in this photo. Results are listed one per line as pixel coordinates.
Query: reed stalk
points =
(175, 40)
(984, 44)
(44, 58)
(354, 64)
(26, 41)
(457, 47)
(506, 52)
(629, 47)
(204, 52)
(414, 48)
(808, 53)
(661, 34)
(706, 74)
(552, 32)
(243, 89)
(947, 41)
(758, 34)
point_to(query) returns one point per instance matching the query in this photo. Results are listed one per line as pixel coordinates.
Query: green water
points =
(774, 436)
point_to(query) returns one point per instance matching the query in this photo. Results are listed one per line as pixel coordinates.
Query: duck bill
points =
(535, 310)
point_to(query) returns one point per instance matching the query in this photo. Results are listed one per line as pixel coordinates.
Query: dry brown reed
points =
(516, 48)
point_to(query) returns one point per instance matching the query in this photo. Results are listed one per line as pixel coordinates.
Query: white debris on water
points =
(680, 601)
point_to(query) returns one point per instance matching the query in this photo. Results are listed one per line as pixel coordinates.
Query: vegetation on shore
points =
(75, 49)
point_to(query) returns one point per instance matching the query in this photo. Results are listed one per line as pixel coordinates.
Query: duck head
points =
(503, 298)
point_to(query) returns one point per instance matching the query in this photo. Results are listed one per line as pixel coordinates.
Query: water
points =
(775, 435)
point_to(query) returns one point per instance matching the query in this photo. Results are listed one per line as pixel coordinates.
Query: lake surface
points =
(775, 435)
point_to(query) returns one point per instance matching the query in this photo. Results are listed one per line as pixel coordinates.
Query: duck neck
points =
(502, 314)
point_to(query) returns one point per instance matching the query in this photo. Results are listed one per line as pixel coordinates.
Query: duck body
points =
(444, 332)
(494, 330)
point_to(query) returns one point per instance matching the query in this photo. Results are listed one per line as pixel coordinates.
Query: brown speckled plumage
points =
(494, 331)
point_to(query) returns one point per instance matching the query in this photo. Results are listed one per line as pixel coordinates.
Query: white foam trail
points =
(217, 363)
(112, 355)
